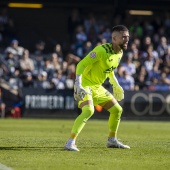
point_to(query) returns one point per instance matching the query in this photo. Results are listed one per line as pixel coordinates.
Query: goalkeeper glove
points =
(118, 92)
(79, 91)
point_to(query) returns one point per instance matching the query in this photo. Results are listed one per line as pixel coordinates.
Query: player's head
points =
(120, 37)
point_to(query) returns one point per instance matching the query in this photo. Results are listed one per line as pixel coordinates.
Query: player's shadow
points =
(20, 148)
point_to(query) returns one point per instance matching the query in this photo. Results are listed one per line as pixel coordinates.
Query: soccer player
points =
(91, 72)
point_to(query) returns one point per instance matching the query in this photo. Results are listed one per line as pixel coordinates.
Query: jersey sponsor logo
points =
(109, 70)
(92, 54)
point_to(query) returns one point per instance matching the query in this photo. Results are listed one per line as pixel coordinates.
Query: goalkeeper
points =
(91, 72)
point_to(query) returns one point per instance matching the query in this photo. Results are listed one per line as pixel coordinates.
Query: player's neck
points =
(116, 49)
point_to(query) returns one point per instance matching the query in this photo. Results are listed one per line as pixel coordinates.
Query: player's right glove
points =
(79, 91)
(118, 92)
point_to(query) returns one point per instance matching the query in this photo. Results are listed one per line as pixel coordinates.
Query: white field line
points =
(4, 167)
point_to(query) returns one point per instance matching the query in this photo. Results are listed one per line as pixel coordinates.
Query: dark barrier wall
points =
(150, 104)
(60, 103)
(49, 103)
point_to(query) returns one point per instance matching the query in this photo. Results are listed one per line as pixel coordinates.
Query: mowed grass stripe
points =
(37, 144)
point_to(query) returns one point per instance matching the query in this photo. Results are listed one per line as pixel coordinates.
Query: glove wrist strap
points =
(78, 80)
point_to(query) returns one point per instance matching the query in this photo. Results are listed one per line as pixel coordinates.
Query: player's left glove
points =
(118, 92)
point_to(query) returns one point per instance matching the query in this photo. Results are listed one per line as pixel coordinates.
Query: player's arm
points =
(89, 59)
(92, 57)
(117, 89)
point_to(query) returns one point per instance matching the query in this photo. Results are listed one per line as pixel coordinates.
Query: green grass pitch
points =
(37, 144)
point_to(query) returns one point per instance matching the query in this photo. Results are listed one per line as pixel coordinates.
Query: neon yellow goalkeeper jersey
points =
(98, 64)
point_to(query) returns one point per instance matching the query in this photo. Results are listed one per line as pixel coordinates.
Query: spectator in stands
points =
(71, 71)
(140, 82)
(163, 83)
(10, 63)
(2, 71)
(165, 75)
(38, 55)
(58, 50)
(167, 57)
(162, 48)
(55, 61)
(136, 54)
(15, 82)
(65, 68)
(137, 42)
(42, 81)
(149, 62)
(15, 49)
(80, 39)
(146, 42)
(128, 65)
(27, 80)
(141, 78)
(72, 59)
(150, 49)
(48, 67)
(26, 63)
(87, 47)
(126, 81)
(151, 58)
(154, 73)
(107, 35)
(87, 34)
(59, 80)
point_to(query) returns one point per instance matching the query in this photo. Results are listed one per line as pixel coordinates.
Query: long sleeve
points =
(112, 79)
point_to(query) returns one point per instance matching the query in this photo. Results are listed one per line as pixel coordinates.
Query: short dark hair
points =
(119, 28)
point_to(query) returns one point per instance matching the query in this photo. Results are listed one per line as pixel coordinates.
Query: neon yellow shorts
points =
(97, 93)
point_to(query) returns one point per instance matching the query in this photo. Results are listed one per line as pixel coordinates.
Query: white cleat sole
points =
(71, 148)
(121, 146)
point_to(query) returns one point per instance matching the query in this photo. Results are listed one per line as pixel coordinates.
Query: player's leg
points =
(114, 119)
(87, 111)
(115, 111)
(109, 103)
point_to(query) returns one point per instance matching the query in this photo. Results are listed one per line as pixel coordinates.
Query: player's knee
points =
(116, 110)
(88, 110)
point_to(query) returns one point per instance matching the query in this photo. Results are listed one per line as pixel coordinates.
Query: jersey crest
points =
(93, 54)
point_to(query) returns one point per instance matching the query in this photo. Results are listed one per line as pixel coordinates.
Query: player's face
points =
(122, 39)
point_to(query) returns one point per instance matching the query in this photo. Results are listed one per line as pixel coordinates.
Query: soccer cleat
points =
(114, 143)
(70, 147)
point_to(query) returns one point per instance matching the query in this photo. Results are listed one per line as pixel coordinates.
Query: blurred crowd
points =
(144, 66)
(21, 69)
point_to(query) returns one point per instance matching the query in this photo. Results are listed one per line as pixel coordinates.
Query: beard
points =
(123, 46)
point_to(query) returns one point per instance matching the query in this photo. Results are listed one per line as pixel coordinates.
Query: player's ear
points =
(113, 38)
(114, 34)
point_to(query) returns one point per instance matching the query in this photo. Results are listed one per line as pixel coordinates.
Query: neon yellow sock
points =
(114, 119)
(79, 123)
